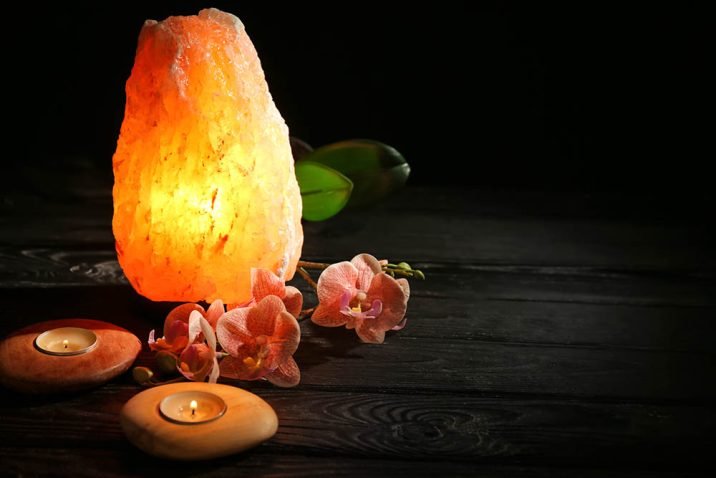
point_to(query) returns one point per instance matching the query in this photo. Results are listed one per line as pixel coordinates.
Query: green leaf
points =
(376, 169)
(324, 190)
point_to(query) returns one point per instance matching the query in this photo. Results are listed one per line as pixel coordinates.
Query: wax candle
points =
(66, 341)
(192, 407)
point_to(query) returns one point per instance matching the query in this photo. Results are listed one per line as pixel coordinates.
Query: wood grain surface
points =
(556, 335)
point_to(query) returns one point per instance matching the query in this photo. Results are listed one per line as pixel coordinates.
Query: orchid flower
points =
(359, 295)
(199, 359)
(260, 341)
(265, 283)
(176, 326)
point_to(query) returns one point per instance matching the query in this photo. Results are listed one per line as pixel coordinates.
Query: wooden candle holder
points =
(246, 422)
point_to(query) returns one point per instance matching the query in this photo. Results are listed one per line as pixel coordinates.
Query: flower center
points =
(262, 350)
(358, 306)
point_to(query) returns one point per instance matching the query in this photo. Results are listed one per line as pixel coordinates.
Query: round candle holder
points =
(227, 420)
(65, 355)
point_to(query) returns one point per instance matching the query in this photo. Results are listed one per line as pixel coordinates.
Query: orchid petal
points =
(265, 283)
(346, 300)
(235, 368)
(329, 315)
(367, 267)
(208, 332)
(261, 319)
(196, 362)
(174, 342)
(231, 330)
(284, 340)
(394, 298)
(194, 326)
(181, 313)
(375, 310)
(370, 334)
(216, 310)
(293, 300)
(286, 375)
(231, 367)
(215, 371)
(405, 285)
(334, 281)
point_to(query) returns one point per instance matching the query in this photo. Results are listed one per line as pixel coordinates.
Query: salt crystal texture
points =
(204, 186)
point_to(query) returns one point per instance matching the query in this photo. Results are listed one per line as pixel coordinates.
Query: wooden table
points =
(556, 335)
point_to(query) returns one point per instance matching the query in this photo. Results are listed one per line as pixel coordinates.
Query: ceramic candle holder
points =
(197, 421)
(65, 355)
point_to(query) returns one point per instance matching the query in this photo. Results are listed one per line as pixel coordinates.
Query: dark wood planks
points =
(122, 462)
(51, 266)
(505, 304)
(415, 426)
(444, 362)
(557, 335)
(455, 239)
(406, 363)
(428, 225)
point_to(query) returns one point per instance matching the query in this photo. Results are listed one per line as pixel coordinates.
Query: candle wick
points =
(193, 412)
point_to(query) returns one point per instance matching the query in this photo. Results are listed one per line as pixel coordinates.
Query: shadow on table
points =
(117, 304)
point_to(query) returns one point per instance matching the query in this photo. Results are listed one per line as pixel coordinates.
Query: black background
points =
(587, 98)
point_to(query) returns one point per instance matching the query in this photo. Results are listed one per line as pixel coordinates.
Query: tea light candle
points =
(192, 407)
(66, 341)
(197, 421)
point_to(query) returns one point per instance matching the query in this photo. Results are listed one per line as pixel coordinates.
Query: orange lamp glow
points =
(204, 184)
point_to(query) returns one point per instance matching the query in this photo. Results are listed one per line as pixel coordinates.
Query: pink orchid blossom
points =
(176, 326)
(199, 359)
(260, 341)
(359, 295)
(265, 283)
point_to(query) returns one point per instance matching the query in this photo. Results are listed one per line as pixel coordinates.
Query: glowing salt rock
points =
(204, 186)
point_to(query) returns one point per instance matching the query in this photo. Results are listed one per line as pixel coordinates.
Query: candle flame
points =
(193, 406)
(65, 343)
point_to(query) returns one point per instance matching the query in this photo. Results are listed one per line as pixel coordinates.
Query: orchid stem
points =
(306, 313)
(312, 265)
(307, 277)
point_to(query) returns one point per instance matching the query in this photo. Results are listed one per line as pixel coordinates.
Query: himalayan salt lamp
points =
(204, 186)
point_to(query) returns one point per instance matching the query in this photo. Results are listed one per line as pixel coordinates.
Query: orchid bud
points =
(166, 362)
(142, 375)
